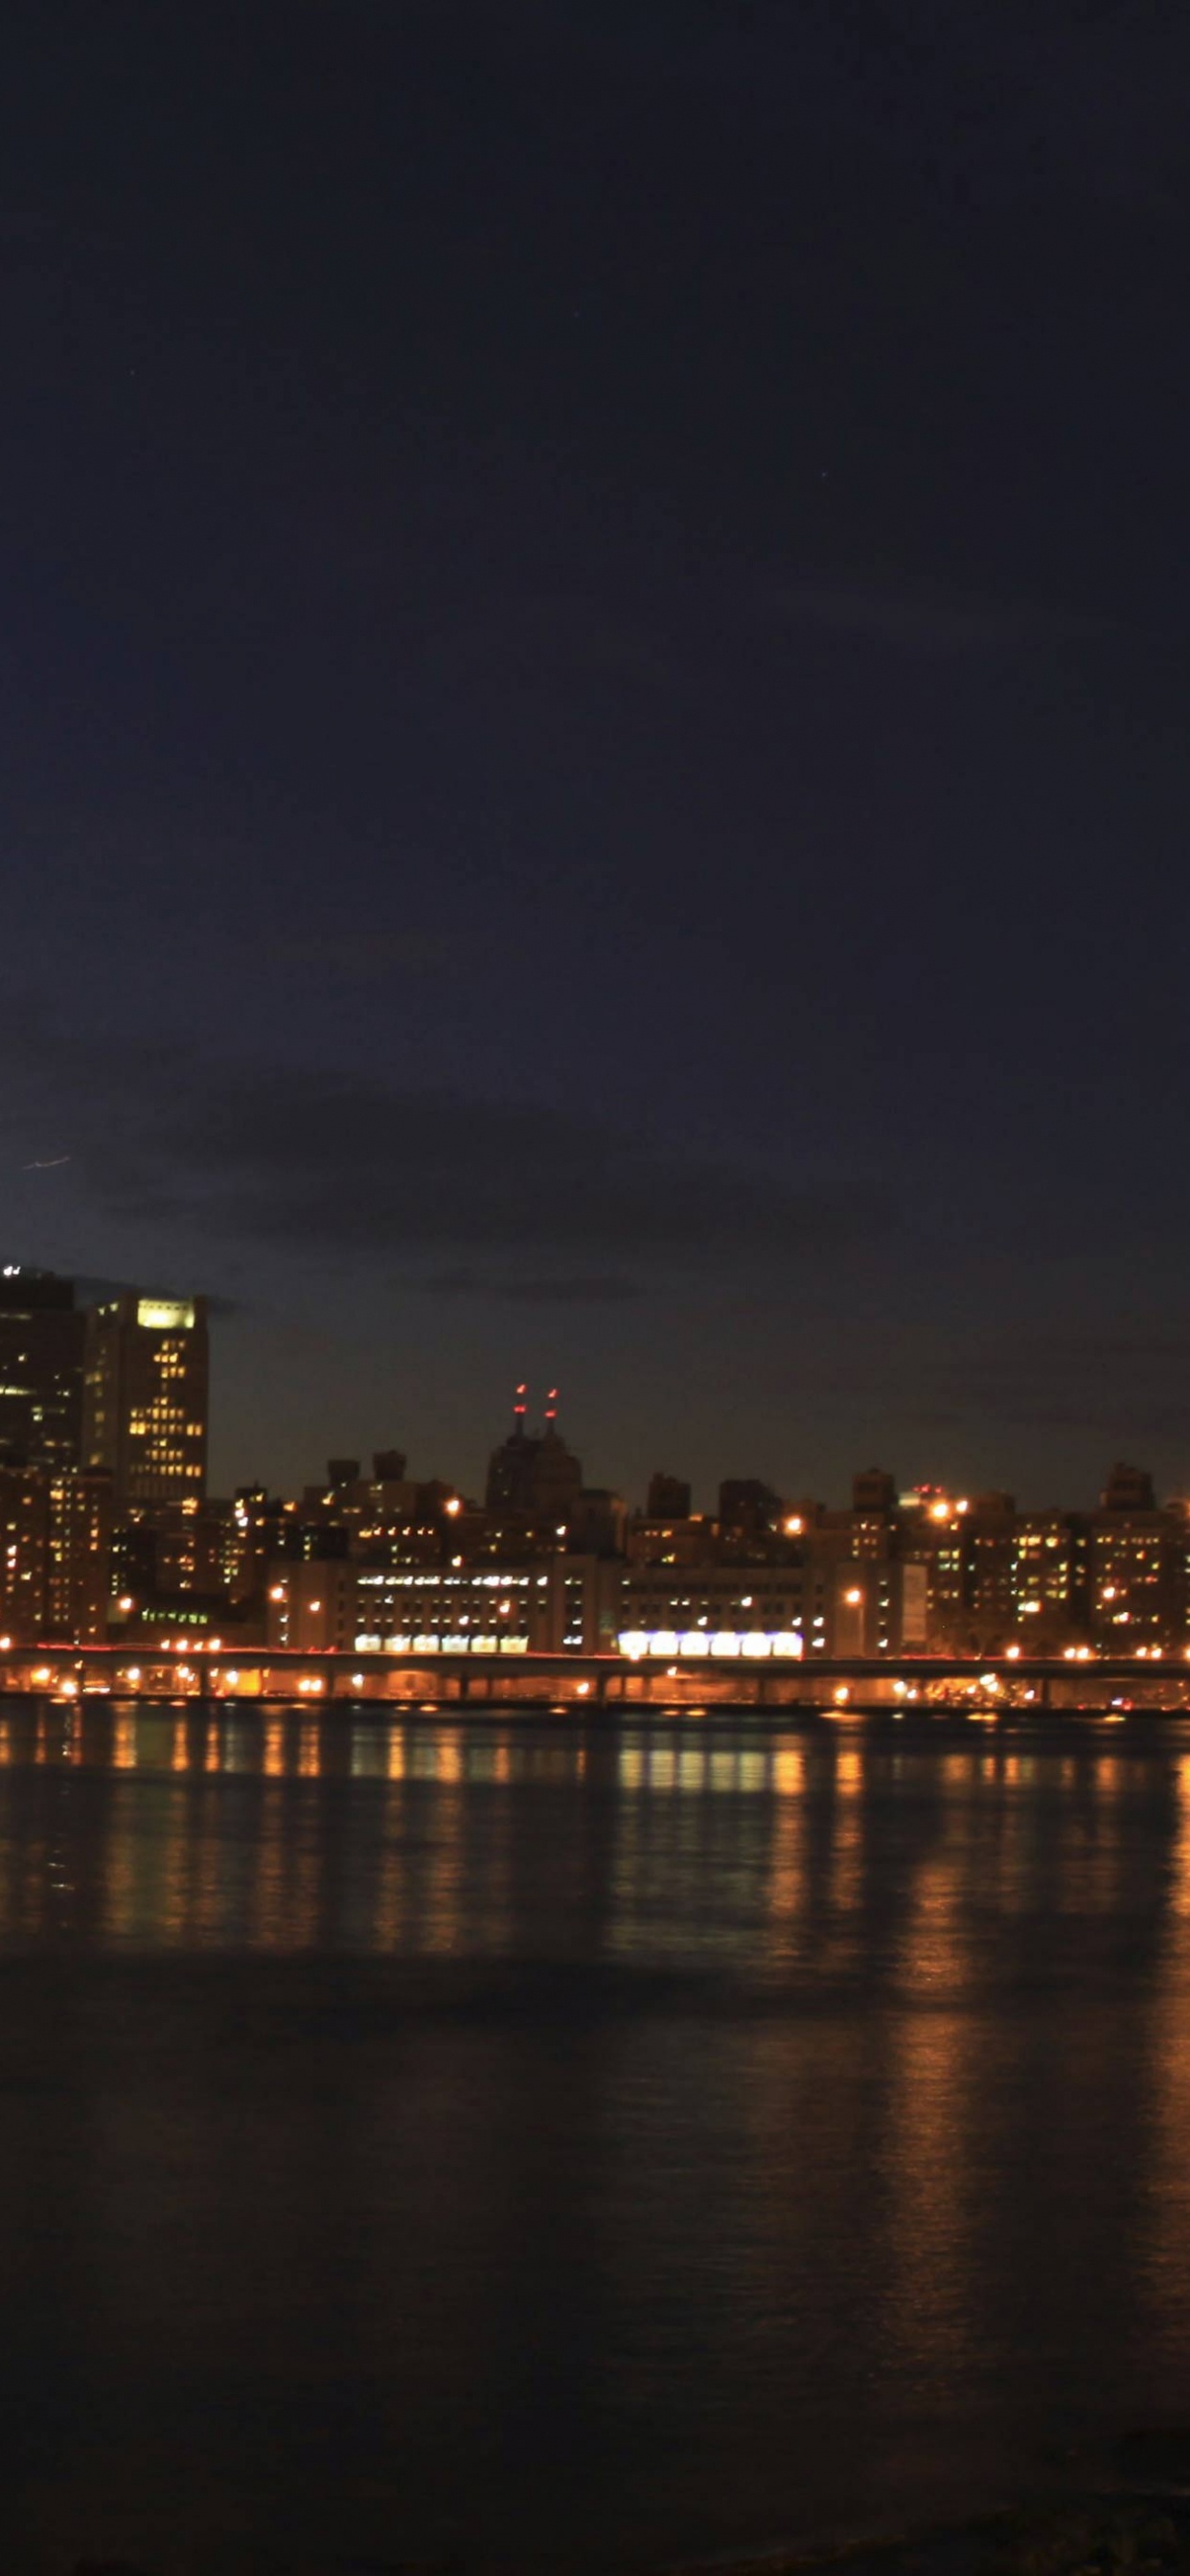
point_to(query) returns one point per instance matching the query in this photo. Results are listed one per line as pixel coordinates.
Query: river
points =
(563, 2145)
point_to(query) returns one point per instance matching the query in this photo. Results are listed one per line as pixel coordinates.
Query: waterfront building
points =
(460, 1609)
(1137, 1580)
(570, 1604)
(391, 1610)
(812, 1590)
(933, 1542)
(689, 1608)
(1051, 1580)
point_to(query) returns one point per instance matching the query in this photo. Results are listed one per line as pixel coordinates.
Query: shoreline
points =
(1135, 2523)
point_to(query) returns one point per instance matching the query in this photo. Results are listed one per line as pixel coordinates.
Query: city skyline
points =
(163, 1341)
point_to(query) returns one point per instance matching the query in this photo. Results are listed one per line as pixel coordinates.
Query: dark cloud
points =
(287, 1157)
(1129, 1384)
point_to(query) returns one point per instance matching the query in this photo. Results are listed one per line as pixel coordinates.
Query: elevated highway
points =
(842, 1686)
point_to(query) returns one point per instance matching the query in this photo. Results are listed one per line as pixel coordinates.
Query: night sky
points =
(595, 758)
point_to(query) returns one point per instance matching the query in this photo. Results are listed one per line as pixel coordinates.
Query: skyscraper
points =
(510, 1467)
(145, 1398)
(533, 1475)
(41, 1367)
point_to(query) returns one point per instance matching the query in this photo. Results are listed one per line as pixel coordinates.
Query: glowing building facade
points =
(145, 1398)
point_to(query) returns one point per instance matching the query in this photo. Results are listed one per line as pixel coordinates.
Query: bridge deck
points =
(254, 1673)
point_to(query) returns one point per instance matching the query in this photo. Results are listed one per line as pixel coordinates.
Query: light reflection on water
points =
(985, 1831)
(709, 2134)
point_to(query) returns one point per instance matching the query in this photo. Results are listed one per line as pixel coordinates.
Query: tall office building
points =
(533, 1475)
(41, 1367)
(145, 1398)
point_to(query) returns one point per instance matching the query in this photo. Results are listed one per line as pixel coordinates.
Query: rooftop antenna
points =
(518, 1409)
(551, 1408)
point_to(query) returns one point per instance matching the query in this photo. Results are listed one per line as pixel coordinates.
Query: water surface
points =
(573, 2145)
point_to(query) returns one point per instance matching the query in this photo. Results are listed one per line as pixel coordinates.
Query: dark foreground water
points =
(576, 2147)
